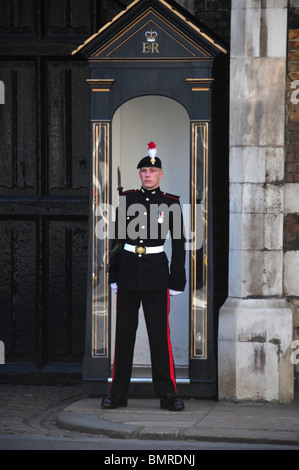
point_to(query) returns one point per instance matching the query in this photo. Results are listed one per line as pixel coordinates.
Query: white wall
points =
(166, 122)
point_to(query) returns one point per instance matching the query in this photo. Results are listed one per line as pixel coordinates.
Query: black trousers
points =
(156, 312)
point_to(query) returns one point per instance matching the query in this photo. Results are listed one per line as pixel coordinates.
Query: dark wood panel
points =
(24, 207)
(66, 290)
(68, 100)
(18, 289)
(18, 128)
(18, 17)
(69, 16)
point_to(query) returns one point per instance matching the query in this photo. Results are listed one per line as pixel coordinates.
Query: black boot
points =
(114, 401)
(171, 402)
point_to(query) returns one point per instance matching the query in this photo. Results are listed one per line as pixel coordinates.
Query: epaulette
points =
(130, 191)
(171, 196)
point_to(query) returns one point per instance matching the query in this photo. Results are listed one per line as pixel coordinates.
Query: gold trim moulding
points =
(200, 84)
(102, 85)
(147, 59)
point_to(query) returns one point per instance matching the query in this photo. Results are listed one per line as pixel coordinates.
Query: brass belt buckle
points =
(140, 250)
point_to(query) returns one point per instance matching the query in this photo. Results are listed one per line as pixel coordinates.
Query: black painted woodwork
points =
(44, 184)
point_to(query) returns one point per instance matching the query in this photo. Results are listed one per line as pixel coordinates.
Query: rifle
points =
(119, 245)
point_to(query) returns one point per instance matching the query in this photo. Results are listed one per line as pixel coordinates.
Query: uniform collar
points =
(150, 191)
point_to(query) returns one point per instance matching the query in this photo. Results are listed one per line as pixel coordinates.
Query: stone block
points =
(264, 107)
(238, 25)
(254, 348)
(273, 232)
(247, 231)
(235, 197)
(250, 198)
(256, 231)
(258, 29)
(253, 198)
(255, 273)
(257, 103)
(291, 197)
(248, 164)
(276, 21)
(273, 194)
(274, 164)
(291, 273)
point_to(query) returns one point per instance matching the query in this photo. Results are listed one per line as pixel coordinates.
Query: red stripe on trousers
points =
(113, 374)
(171, 363)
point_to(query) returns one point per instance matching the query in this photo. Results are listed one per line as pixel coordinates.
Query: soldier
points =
(140, 274)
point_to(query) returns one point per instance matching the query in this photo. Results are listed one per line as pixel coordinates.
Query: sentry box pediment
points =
(151, 47)
(156, 30)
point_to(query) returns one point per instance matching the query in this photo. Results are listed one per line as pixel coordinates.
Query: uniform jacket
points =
(143, 219)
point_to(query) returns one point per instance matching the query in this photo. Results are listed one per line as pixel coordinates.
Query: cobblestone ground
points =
(26, 409)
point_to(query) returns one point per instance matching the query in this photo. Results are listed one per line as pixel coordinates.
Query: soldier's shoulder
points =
(128, 192)
(170, 196)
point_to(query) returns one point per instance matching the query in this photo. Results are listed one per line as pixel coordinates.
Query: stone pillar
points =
(255, 323)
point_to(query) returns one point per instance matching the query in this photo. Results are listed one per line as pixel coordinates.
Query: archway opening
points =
(166, 122)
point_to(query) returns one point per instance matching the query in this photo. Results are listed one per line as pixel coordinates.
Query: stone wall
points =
(264, 189)
(256, 322)
(264, 193)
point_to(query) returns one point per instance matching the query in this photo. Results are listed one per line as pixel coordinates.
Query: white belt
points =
(143, 250)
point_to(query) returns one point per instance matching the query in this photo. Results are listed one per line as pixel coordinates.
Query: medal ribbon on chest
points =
(160, 217)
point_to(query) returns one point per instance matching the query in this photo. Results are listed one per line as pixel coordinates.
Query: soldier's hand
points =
(114, 287)
(174, 292)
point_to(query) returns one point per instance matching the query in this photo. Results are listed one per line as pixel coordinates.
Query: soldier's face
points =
(150, 177)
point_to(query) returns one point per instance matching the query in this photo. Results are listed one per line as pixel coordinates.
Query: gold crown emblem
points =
(151, 35)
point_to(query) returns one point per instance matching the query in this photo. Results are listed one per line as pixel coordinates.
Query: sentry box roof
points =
(155, 30)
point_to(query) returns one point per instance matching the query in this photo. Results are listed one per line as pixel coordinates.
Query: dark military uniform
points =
(145, 278)
(150, 271)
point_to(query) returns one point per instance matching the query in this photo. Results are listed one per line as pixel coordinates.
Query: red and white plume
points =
(152, 151)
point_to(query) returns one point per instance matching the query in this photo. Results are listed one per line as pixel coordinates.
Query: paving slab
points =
(201, 420)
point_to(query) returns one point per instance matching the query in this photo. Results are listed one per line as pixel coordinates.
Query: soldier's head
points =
(150, 177)
(150, 168)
